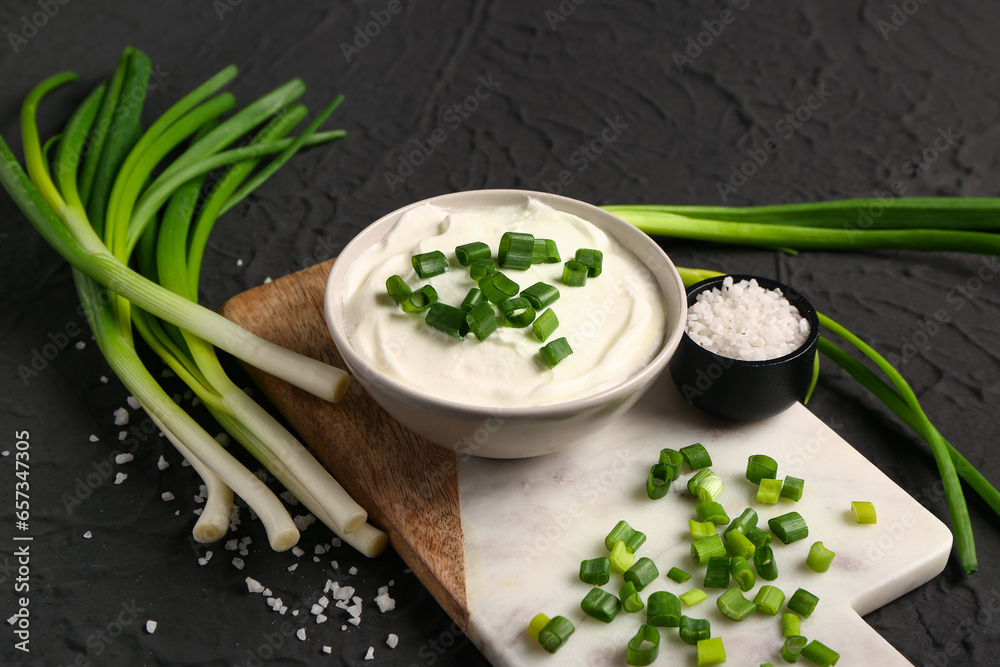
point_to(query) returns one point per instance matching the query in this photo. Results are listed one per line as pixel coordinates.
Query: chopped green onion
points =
(744, 522)
(789, 527)
(734, 605)
(820, 558)
(792, 647)
(540, 295)
(467, 253)
(658, 480)
(574, 274)
(554, 352)
(696, 456)
(693, 597)
(739, 568)
(429, 264)
(596, 571)
(792, 488)
(768, 491)
(515, 251)
(517, 312)
(791, 624)
(544, 251)
(802, 602)
(481, 320)
(761, 466)
(601, 605)
(738, 544)
(820, 653)
(701, 529)
(480, 268)
(706, 548)
(643, 647)
(592, 259)
(629, 597)
(705, 485)
(622, 531)
(693, 630)
(641, 573)
(769, 600)
(449, 319)
(674, 459)
(864, 511)
(663, 609)
(555, 633)
(398, 289)
(537, 623)
(473, 299)
(759, 537)
(544, 325)
(497, 287)
(621, 557)
(763, 562)
(712, 512)
(678, 575)
(421, 300)
(711, 652)
(717, 574)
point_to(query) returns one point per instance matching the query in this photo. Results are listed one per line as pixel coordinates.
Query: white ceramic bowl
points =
(522, 431)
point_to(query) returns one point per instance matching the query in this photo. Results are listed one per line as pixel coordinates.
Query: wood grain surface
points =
(408, 485)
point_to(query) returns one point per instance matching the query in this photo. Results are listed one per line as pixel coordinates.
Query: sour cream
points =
(615, 323)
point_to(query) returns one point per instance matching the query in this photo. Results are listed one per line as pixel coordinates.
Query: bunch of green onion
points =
(931, 224)
(131, 211)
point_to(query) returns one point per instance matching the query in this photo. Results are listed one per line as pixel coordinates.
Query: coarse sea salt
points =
(746, 321)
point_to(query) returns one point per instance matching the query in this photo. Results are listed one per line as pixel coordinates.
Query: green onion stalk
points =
(899, 397)
(106, 208)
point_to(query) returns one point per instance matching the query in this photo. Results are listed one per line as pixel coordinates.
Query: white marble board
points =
(528, 524)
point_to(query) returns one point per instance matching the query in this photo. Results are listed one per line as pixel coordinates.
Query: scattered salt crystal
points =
(120, 477)
(238, 563)
(293, 567)
(295, 612)
(196, 511)
(132, 402)
(104, 379)
(283, 609)
(80, 345)
(231, 545)
(341, 592)
(267, 592)
(150, 627)
(185, 463)
(5, 452)
(289, 498)
(121, 417)
(161, 463)
(208, 555)
(384, 602)
(239, 262)
(199, 499)
(356, 621)
(88, 535)
(321, 618)
(391, 641)
(267, 280)
(246, 540)
(371, 653)
(336, 542)
(301, 634)
(202, 561)
(326, 649)
(122, 435)
(356, 600)
(324, 602)
(315, 558)
(353, 570)
(320, 549)
(167, 496)
(303, 521)
(343, 627)
(316, 610)
(273, 603)
(298, 552)
(93, 438)
(335, 565)
(254, 586)
(12, 620)
(123, 458)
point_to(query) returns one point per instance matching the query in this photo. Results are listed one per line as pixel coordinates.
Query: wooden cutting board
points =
(497, 541)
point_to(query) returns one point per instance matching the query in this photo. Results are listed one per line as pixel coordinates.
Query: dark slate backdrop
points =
(870, 86)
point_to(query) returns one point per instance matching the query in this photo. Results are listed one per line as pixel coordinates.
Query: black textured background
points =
(559, 72)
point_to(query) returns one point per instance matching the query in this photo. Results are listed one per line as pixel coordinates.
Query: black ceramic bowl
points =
(745, 390)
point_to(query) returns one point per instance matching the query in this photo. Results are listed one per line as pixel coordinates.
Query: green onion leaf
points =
(544, 325)
(792, 648)
(820, 558)
(621, 557)
(470, 252)
(596, 571)
(803, 602)
(429, 264)
(696, 456)
(497, 287)
(763, 562)
(704, 549)
(693, 597)
(515, 251)
(717, 574)
(791, 624)
(540, 295)
(574, 274)
(480, 268)
(554, 352)
(734, 605)
(769, 491)
(701, 529)
(791, 488)
(761, 466)
(397, 288)
(644, 647)
(641, 573)
(713, 512)
(601, 605)
(663, 609)
(758, 536)
(544, 251)
(864, 511)
(769, 600)
(739, 568)
(592, 259)
(674, 459)
(738, 544)
(629, 597)
(711, 652)
(473, 299)
(555, 633)
(789, 527)
(481, 320)
(516, 312)
(693, 630)
(705, 485)
(678, 575)
(421, 300)
(448, 319)
(658, 480)
(820, 653)
(623, 532)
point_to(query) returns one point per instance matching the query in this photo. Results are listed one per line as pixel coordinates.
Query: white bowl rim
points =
(474, 199)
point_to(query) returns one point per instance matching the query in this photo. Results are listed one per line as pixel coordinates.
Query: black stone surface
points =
(884, 91)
